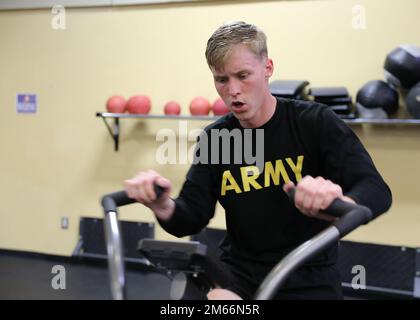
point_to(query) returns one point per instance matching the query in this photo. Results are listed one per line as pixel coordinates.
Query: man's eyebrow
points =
(220, 76)
(243, 71)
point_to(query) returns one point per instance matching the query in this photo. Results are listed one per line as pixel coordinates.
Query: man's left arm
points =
(346, 170)
(349, 165)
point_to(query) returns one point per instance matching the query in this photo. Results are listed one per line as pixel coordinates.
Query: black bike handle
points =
(110, 202)
(350, 214)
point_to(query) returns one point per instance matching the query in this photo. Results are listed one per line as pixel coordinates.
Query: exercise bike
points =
(180, 258)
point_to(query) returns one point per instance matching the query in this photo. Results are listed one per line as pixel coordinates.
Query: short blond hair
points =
(230, 34)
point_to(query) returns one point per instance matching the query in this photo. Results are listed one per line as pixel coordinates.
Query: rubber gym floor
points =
(29, 276)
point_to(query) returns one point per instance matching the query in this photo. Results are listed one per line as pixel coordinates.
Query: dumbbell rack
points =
(115, 130)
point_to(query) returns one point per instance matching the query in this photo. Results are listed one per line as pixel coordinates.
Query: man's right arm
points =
(194, 208)
(185, 215)
(142, 189)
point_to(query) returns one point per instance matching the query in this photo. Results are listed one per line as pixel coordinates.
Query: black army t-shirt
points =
(302, 138)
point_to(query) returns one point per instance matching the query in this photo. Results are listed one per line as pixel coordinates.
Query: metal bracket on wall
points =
(114, 131)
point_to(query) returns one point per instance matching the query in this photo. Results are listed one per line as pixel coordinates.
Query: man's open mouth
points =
(237, 104)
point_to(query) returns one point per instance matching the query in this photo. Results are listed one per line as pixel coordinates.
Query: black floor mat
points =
(31, 278)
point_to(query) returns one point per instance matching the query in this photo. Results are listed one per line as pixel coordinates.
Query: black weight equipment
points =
(412, 101)
(376, 99)
(402, 66)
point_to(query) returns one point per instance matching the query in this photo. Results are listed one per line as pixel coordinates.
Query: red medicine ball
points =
(139, 104)
(116, 104)
(219, 108)
(172, 107)
(200, 106)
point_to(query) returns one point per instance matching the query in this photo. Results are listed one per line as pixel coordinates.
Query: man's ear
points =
(269, 68)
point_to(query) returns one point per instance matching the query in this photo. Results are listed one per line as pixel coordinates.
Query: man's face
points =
(243, 84)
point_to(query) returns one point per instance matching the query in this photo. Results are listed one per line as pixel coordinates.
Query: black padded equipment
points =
(91, 242)
(291, 89)
(390, 270)
(328, 92)
(337, 98)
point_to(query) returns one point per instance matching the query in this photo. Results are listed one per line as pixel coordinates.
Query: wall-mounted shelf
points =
(383, 121)
(115, 130)
(153, 116)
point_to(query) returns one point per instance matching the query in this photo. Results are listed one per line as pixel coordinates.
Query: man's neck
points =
(264, 114)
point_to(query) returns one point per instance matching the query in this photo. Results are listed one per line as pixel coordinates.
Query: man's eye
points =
(221, 80)
(243, 76)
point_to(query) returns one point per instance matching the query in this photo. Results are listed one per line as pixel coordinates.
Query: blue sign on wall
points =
(26, 103)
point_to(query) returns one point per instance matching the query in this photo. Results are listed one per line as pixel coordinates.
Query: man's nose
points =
(234, 88)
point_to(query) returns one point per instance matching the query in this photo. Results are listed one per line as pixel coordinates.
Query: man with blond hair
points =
(306, 146)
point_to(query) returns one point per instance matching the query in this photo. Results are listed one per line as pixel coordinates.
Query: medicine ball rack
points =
(115, 130)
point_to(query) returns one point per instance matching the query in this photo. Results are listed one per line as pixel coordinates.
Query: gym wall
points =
(60, 161)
